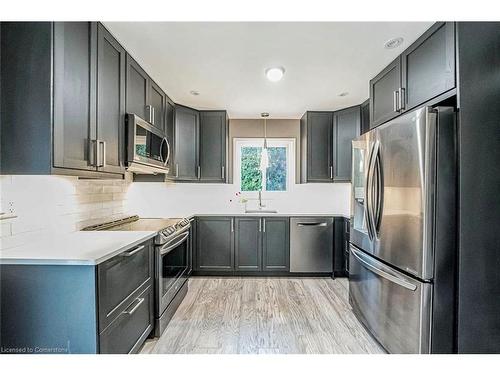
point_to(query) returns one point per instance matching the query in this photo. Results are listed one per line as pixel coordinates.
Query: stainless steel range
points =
(172, 260)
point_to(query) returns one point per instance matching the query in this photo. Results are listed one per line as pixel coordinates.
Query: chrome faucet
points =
(261, 206)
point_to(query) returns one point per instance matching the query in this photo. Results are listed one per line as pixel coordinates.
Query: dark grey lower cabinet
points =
(248, 244)
(276, 244)
(78, 308)
(242, 244)
(215, 243)
(341, 247)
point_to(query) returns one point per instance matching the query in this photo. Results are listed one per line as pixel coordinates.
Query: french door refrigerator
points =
(402, 238)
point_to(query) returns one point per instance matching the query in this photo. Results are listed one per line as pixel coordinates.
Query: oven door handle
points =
(170, 246)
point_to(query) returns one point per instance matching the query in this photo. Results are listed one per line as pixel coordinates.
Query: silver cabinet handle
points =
(133, 309)
(103, 157)
(260, 225)
(402, 99)
(94, 152)
(331, 172)
(176, 170)
(153, 108)
(395, 101)
(199, 172)
(232, 225)
(223, 172)
(264, 225)
(150, 113)
(135, 251)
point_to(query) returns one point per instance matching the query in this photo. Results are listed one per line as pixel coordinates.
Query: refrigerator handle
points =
(381, 270)
(372, 193)
(379, 196)
(367, 194)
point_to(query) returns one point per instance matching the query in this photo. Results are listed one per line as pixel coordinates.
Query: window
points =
(279, 175)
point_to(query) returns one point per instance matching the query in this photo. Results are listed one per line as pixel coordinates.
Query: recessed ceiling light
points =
(194, 92)
(393, 43)
(275, 74)
(345, 93)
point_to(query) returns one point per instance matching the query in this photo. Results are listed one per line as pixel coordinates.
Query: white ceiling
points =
(225, 62)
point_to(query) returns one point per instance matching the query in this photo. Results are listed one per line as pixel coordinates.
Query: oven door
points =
(171, 269)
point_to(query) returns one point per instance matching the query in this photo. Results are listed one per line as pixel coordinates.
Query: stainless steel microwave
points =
(148, 150)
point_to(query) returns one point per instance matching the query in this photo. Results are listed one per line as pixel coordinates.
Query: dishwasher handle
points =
(322, 224)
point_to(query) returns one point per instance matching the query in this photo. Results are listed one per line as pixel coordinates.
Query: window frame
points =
(288, 143)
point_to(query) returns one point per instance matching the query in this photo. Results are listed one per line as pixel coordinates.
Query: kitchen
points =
(146, 212)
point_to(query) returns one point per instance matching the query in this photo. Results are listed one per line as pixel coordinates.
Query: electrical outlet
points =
(11, 208)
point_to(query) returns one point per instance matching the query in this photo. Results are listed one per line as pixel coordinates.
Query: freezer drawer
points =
(311, 244)
(395, 308)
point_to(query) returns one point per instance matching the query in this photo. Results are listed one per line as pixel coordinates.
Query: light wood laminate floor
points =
(264, 315)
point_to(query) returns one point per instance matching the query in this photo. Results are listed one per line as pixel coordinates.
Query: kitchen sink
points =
(261, 211)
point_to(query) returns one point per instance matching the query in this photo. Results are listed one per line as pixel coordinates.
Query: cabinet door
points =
(276, 244)
(186, 143)
(213, 146)
(137, 89)
(111, 59)
(215, 243)
(365, 116)
(248, 251)
(157, 100)
(319, 147)
(382, 97)
(428, 66)
(346, 125)
(74, 94)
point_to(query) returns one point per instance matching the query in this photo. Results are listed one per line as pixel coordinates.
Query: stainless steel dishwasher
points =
(311, 244)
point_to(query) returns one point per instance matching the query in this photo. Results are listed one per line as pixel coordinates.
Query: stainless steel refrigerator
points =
(402, 238)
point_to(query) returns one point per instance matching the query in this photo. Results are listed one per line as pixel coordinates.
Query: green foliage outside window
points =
(276, 172)
(251, 176)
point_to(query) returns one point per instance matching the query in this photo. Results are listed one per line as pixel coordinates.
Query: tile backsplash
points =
(47, 205)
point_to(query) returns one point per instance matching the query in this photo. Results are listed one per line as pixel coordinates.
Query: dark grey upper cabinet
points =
(214, 243)
(74, 95)
(346, 127)
(428, 65)
(248, 250)
(276, 244)
(111, 58)
(213, 141)
(157, 102)
(316, 147)
(137, 89)
(186, 134)
(144, 97)
(422, 72)
(384, 91)
(365, 116)
(52, 109)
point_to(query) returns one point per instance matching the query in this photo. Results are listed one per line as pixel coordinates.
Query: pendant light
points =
(264, 158)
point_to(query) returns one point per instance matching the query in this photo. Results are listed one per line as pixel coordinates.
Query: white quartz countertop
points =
(78, 248)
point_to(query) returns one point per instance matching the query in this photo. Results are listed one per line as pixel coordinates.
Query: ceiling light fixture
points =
(275, 74)
(393, 43)
(194, 92)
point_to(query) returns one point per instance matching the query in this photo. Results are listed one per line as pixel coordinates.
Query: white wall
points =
(177, 200)
(50, 205)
